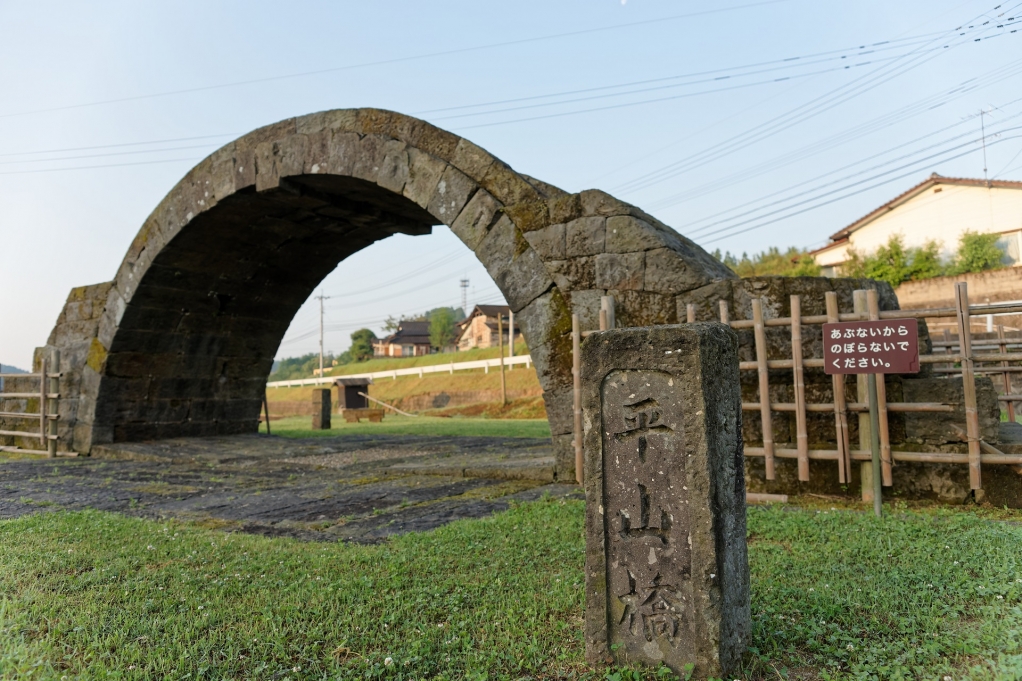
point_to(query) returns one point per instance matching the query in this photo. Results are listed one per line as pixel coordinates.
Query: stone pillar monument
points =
(321, 409)
(667, 572)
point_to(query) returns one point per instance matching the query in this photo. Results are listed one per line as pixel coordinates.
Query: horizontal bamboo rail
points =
(37, 375)
(828, 407)
(865, 455)
(886, 314)
(49, 396)
(21, 433)
(23, 415)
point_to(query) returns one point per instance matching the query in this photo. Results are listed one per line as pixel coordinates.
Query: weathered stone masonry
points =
(181, 341)
(187, 330)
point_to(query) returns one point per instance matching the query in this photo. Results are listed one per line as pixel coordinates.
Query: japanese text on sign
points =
(889, 346)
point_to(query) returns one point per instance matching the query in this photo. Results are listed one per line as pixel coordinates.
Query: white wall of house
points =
(941, 213)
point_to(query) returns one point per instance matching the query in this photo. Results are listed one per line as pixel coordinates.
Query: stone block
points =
(667, 573)
(338, 119)
(624, 271)
(597, 202)
(452, 193)
(585, 236)
(546, 326)
(560, 409)
(342, 153)
(668, 271)
(642, 308)
(266, 174)
(627, 234)
(474, 220)
(506, 185)
(586, 304)
(291, 152)
(565, 208)
(926, 429)
(371, 151)
(424, 173)
(471, 159)
(515, 267)
(574, 274)
(393, 173)
(548, 241)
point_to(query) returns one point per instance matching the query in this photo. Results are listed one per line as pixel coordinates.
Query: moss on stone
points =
(97, 356)
(529, 216)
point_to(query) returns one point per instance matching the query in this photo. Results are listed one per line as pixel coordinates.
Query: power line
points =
(793, 116)
(384, 62)
(719, 235)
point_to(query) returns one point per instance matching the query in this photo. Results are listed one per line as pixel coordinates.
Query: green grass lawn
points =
(393, 424)
(391, 363)
(835, 595)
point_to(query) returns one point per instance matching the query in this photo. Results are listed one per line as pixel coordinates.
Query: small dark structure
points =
(349, 393)
(321, 409)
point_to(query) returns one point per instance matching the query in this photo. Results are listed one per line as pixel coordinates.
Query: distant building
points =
(410, 340)
(938, 209)
(479, 329)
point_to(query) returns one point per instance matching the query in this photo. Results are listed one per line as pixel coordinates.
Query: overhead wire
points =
(799, 114)
(720, 236)
(394, 60)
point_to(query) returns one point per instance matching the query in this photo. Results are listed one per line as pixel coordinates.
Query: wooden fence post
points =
(862, 396)
(500, 350)
(43, 369)
(801, 434)
(844, 460)
(576, 373)
(1006, 376)
(873, 304)
(759, 332)
(53, 383)
(968, 383)
(724, 316)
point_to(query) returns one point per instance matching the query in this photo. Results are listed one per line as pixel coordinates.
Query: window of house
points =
(407, 350)
(1011, 244)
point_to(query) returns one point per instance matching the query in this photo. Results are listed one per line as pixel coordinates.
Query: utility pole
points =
(500, 346)
(983, 131)
(464, 296)
(321, 298)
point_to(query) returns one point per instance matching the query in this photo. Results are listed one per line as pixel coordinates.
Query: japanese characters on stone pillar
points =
(667, 573)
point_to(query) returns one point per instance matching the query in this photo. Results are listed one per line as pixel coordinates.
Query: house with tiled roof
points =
(479, 329)
(938, 209)
(410, 340)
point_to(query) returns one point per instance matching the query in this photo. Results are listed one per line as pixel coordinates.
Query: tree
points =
(772, 262)
(977, 253)
(894, 263)
(441, 327)
(362, 345)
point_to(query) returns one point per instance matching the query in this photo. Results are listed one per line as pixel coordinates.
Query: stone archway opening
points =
(181, 341)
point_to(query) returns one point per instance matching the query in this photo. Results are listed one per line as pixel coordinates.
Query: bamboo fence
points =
(44, 421)
(955, 356)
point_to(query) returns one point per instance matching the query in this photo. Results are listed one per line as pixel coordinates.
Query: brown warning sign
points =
(888, 346)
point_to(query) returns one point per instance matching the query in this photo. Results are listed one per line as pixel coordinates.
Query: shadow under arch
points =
(181, 341)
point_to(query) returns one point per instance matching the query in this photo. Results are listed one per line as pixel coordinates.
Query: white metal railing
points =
(451, 367)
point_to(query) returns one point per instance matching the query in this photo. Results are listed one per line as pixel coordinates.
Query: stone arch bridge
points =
(181, 341)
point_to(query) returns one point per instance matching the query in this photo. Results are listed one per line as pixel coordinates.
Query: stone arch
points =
(181, 341)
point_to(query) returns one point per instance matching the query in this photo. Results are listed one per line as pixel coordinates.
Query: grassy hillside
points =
(522, 385)
(389, 364)
(394, 424)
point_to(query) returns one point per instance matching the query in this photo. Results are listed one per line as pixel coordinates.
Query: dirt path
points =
(351, 488)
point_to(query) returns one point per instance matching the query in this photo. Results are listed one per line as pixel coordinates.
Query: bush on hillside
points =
(771, 262)
(976, 253)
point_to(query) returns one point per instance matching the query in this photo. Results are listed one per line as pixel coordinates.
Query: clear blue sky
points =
(780, 136)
